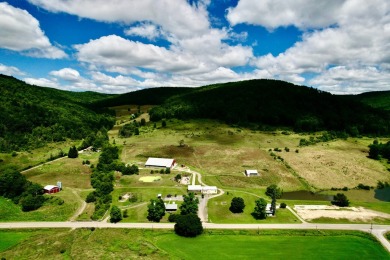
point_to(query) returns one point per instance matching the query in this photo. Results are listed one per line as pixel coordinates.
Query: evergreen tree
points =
(73, 153)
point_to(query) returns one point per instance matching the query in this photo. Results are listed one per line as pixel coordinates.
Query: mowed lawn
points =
(9, 239)
(346, 246)
(218, 210)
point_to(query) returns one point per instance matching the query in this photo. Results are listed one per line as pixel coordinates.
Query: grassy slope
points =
(377, 99)
(156, 244)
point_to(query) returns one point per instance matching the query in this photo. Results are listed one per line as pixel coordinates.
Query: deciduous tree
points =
(237, 205)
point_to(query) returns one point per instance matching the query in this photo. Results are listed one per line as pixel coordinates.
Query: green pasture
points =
(215, 244)
(280, 245)
(71, 172)
(50, 211)
(218, 210)
(8, 238)
(28, 159)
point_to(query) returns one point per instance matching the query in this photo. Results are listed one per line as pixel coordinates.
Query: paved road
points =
(377, 230)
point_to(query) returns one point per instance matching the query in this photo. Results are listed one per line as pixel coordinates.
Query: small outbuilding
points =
(50, 189)
(268, 210)
(160, 162)
(250, 173)
(194, 188)
(170, 207)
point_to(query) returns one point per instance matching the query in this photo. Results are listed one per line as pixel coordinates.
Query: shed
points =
(268, 210)
(209, 190)
(250, 173)
(160, 162)
(170, 207)
(194, 188)
(51, 189)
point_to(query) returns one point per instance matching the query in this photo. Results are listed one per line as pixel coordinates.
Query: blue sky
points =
(114, 46)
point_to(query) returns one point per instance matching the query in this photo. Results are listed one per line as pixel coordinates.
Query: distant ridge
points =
(30, 116)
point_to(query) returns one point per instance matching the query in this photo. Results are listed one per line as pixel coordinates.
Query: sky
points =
(119, 46)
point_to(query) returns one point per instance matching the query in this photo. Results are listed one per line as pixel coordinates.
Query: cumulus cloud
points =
(146, 30)
(43, 82)
(67, 74)
(21, 32)
(175, 16)
(352, 80)
(9, 70)
(275, 13)
(343, 34)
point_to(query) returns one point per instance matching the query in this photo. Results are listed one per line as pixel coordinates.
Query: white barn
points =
(250, 173)
(160, 162)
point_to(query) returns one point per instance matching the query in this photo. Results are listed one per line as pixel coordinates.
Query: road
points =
(377, 230)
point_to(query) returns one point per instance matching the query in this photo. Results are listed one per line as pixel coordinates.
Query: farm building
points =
(49, 189)
(194, 188)
(160, 162)
(209, 190)
(202, 189)
(250, 173)
(170, 207)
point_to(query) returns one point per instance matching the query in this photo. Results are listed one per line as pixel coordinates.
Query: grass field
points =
(71, 172)
(150, 178)
(34, 157)
(325, 245)
(218, 210)
(215, 244)
(9, 239)
(48, 212)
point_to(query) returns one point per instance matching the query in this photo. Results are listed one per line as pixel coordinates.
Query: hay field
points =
(337, 164)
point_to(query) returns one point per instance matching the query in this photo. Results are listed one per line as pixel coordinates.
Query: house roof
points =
(209, 188)
(160, 162)
(194, 187)
(49, 187)
(172, 206)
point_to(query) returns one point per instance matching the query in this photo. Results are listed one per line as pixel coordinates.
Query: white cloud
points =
(352, 80)
(275, 13)
(9, 70)
(43, 82)
(21, 32)
(67, 74)
(175, 16)
(146, 30)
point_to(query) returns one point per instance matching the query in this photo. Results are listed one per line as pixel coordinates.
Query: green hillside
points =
(377, 99)
(276, 103)
(31, 116)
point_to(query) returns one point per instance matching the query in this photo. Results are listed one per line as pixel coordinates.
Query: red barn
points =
(51, 189)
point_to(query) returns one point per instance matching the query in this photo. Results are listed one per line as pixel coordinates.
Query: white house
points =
(160, 162)
(250, 173)
(209, 190)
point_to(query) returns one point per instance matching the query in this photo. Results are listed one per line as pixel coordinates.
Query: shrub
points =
(283, 205)
(173, 217)
(188, 225)
(237, 205)
(340, 200)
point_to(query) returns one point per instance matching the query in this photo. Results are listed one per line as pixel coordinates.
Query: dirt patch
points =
(310, 212)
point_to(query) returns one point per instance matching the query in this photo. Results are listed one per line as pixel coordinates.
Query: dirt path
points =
(80, 209)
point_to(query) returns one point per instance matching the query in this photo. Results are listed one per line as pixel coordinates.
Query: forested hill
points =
(276, 103)
(30, 116)
(377, 99)
(151, 96)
